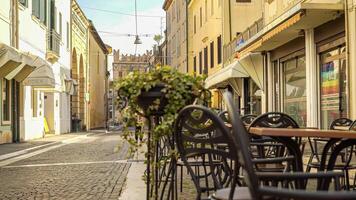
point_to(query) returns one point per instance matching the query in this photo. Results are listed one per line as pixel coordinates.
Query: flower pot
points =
(147, 99)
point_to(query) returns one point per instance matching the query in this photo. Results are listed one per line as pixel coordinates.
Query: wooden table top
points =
(302, 132)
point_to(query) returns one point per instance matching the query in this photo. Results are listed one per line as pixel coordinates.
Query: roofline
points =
(79, 11)
(97, 37)
(167, 4)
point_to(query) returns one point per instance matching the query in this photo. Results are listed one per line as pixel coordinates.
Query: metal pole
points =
(148, 159)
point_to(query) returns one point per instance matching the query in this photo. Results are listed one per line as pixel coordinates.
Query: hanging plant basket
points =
(152, 97)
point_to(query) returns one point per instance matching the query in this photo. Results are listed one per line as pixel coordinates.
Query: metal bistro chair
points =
(346, 155)
(248, 119)
(198, 133)
(266, 146)
(241, 140)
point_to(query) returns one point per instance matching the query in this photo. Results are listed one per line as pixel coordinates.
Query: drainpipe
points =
(187, 33)
(230, 26)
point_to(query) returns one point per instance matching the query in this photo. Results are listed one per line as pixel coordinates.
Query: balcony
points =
(229, 49)
(53, 46)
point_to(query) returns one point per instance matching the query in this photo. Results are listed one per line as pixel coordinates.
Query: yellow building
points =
(176, 36)
(205, 39)
(97, 87)
(79, 67)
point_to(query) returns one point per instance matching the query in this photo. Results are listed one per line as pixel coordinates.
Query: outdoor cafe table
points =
(285, 136)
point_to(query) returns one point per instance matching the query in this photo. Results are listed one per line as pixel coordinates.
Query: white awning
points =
(222, 77)
(42, 77)
(252, 63)
(10, 59)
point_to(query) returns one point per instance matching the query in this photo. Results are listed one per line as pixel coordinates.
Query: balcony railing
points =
(229, 49)
(53, 45)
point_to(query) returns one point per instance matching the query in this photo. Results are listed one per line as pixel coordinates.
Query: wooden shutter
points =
(23, 2)
(35, 8)
(43, 11)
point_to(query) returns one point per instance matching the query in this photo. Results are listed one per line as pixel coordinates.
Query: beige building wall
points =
(176, 34)
(79, 64)
(97, 80)
(204, 28)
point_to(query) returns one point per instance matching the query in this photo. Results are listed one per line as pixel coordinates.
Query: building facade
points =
(79, 65)
(300, 58)
(44, 94)
(98, 76)
(176, 35)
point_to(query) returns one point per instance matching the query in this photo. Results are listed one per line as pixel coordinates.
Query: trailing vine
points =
(179, 90)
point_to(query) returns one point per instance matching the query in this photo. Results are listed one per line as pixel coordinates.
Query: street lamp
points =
(137, 40)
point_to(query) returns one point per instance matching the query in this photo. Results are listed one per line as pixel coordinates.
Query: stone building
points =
(124, 64)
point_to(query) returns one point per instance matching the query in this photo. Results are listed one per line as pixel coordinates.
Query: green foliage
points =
(180, 90)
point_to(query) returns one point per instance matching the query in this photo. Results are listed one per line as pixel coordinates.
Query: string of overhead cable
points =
(121, 13)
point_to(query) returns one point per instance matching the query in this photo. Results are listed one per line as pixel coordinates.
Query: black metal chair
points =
(346, 155)
(248, 119)
(266, 147)
(241, 140)
(198, 134)
(353, 126)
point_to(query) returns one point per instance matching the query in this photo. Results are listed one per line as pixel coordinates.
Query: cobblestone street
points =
(86, 168)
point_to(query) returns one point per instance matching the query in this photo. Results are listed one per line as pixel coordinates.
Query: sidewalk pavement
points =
(135, 188)
(15, 149)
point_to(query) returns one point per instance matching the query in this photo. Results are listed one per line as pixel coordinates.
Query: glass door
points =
(294, 89)
(333, 84)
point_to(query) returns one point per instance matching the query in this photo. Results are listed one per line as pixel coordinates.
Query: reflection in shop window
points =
(5, 100)
(294, 78)
(333, 84)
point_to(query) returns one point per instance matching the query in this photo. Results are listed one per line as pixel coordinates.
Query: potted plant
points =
(160, 93)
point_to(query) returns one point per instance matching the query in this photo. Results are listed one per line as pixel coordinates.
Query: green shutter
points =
(36, 8)
(43, 11)
(23, 2)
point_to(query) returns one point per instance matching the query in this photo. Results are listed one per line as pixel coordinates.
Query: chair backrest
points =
(199, 132)
(224, 116)
(274, 120)
(341, 122)
(241, 139)
(353, 126)
(248, 119)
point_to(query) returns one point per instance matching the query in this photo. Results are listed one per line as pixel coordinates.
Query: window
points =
(205, 60)
(34, 103)
(206, 10)
(39, 10)
(212, 7)
(200, 63)
(195, 24)
(68, 35)
(23, 2)
(201, 17)
(212, 54)
(219, 50)
(294, 89)
(120, 74)
(60, 23)
(6, 100)
(195, 64)
(333, 86)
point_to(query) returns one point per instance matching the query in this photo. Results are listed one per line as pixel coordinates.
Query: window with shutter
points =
(43, 11)
(36, 8)
(23, 2)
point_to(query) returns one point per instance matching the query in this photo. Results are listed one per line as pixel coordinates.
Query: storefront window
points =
(333, 84)
(252, 97)
(295, 89)
(276, 85)
(5, 100)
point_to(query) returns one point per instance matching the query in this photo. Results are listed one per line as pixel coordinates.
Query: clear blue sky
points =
(105, 16)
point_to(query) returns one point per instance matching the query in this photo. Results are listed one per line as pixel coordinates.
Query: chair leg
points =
(181, 178)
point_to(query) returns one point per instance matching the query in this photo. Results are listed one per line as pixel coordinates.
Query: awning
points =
(304, 15)
(42, 77)
(222, 77)
(9, 58)
(253, 65)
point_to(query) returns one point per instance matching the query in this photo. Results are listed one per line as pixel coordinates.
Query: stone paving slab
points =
(13, 147)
